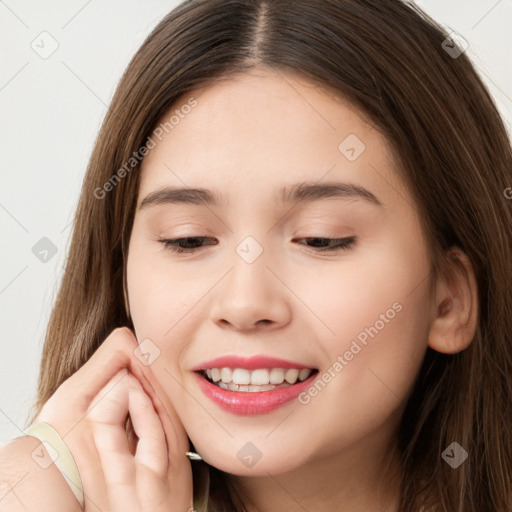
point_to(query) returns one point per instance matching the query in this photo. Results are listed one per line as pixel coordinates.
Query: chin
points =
(246, 459)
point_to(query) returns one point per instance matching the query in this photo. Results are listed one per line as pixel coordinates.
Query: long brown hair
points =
(387, 59)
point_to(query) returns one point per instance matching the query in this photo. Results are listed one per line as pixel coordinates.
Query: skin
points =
(247, 138)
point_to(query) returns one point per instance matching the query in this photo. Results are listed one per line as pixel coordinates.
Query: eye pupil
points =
(186, 241)
(319, 239)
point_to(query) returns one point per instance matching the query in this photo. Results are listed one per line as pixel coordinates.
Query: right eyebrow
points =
(174, 195)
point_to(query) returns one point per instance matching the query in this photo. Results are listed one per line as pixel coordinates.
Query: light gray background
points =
(51, 109)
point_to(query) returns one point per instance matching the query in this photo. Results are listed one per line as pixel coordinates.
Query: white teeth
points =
(260, 377)
(241, 376)
(304, 373)
(249, 389)
(291, 376)
(241, 379)
(226, 375)
(258, 388)
(276, 375)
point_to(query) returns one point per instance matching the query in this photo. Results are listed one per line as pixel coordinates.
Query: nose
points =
(252, 297)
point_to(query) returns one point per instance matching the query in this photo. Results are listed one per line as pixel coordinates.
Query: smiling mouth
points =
(254, 381)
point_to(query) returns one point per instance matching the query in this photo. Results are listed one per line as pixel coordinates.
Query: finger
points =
(115, 353)
(176, 437)
(107, 417)
(156, 477)
(111, 402)
(152, 447)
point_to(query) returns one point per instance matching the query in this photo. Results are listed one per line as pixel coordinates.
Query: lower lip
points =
(250, 403)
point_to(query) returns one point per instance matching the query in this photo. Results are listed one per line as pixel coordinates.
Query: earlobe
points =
(456, 309)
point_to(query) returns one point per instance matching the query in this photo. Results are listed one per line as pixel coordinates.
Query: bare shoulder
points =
(29, 480)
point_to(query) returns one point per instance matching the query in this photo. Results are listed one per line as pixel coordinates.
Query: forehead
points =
(252, 134)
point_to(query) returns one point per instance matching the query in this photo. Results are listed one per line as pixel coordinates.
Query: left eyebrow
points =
(300, 192)
(314, 191)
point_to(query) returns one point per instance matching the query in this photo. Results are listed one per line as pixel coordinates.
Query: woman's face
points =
(259, 284)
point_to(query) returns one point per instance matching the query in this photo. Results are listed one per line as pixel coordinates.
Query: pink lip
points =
(249, 363)
(246, 403)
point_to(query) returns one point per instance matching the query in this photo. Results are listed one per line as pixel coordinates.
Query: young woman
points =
(289, 285)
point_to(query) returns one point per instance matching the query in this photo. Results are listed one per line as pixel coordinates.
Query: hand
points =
(141, 470)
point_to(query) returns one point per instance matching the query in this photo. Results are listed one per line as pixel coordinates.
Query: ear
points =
(454, 324)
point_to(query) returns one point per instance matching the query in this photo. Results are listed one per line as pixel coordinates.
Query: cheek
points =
(160, 293)
(377, 319)
(162, 310)
(381, 286)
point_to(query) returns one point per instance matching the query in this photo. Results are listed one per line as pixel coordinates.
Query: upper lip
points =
(249, 363)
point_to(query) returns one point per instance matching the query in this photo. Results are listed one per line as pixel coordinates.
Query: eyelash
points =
(342, 244)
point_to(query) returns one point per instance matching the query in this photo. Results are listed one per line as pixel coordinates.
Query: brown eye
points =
(186, 244)
(330, 244)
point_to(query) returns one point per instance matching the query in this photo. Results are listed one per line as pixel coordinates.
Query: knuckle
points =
(121, 342)
(122, 337)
